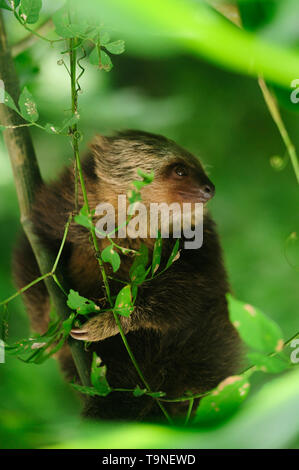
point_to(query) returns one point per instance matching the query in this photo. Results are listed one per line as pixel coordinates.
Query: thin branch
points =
(276, 116)
(75, 141)
(31, 38)
(27, 179)
(190, 407)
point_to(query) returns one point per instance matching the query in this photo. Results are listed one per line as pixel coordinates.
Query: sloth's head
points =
(178, 175)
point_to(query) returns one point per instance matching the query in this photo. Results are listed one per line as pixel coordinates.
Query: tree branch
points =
(27, 179)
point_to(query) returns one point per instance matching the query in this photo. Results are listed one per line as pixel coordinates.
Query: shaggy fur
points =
(179, 332)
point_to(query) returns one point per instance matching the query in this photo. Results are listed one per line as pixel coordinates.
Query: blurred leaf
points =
(104, 38)
(27, 106)
(116, 47)
(223, 401)
(106, 63)
(62, 23)
(109, 255)
(123, 303)
(29, 10)
(94, 57)
(257, 13)
(9, 101)
(4, 5)
(98, 376)
(255, 328)
(190, 26)
(273, 365)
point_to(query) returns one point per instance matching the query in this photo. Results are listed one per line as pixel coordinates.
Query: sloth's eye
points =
(181, 170)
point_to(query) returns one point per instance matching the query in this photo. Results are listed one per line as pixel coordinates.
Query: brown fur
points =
(179, 331)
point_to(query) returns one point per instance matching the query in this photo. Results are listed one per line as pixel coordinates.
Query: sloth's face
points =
(180, 181)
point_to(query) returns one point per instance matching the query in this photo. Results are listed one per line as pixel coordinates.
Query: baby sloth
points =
(179, 330)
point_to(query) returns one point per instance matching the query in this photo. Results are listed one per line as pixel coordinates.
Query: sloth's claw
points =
(98, 328)
(81, 334)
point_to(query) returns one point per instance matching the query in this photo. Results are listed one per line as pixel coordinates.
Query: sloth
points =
(179, 330)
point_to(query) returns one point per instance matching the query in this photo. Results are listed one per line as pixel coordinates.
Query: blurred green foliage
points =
(219, 115)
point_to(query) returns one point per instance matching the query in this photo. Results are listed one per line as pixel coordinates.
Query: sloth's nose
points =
(207, 191)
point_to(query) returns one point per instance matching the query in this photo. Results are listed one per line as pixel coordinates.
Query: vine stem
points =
(44, 276)
(32, 37)
(276, 116)
(75, 141)
(27, 179)
(232, 13)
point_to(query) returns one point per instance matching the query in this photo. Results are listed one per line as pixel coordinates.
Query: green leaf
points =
(272, 365)
(116, 47)
(106, 63)
(147, 177)
(123, 303)
(134, 196)
(139, 274)
(223, 401)
(30, 10)
(71, 23)
(62, 23)
(109, 255)
(104, 38)
(98, 376)
(157, 254)
(83, 219)
(255, 328)
(174, 256)
(82, 305)
(67, 324)
(28, 106)
(138, 270)
(138, 392)
(91, 391)
(94, 57)
(9, 101)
